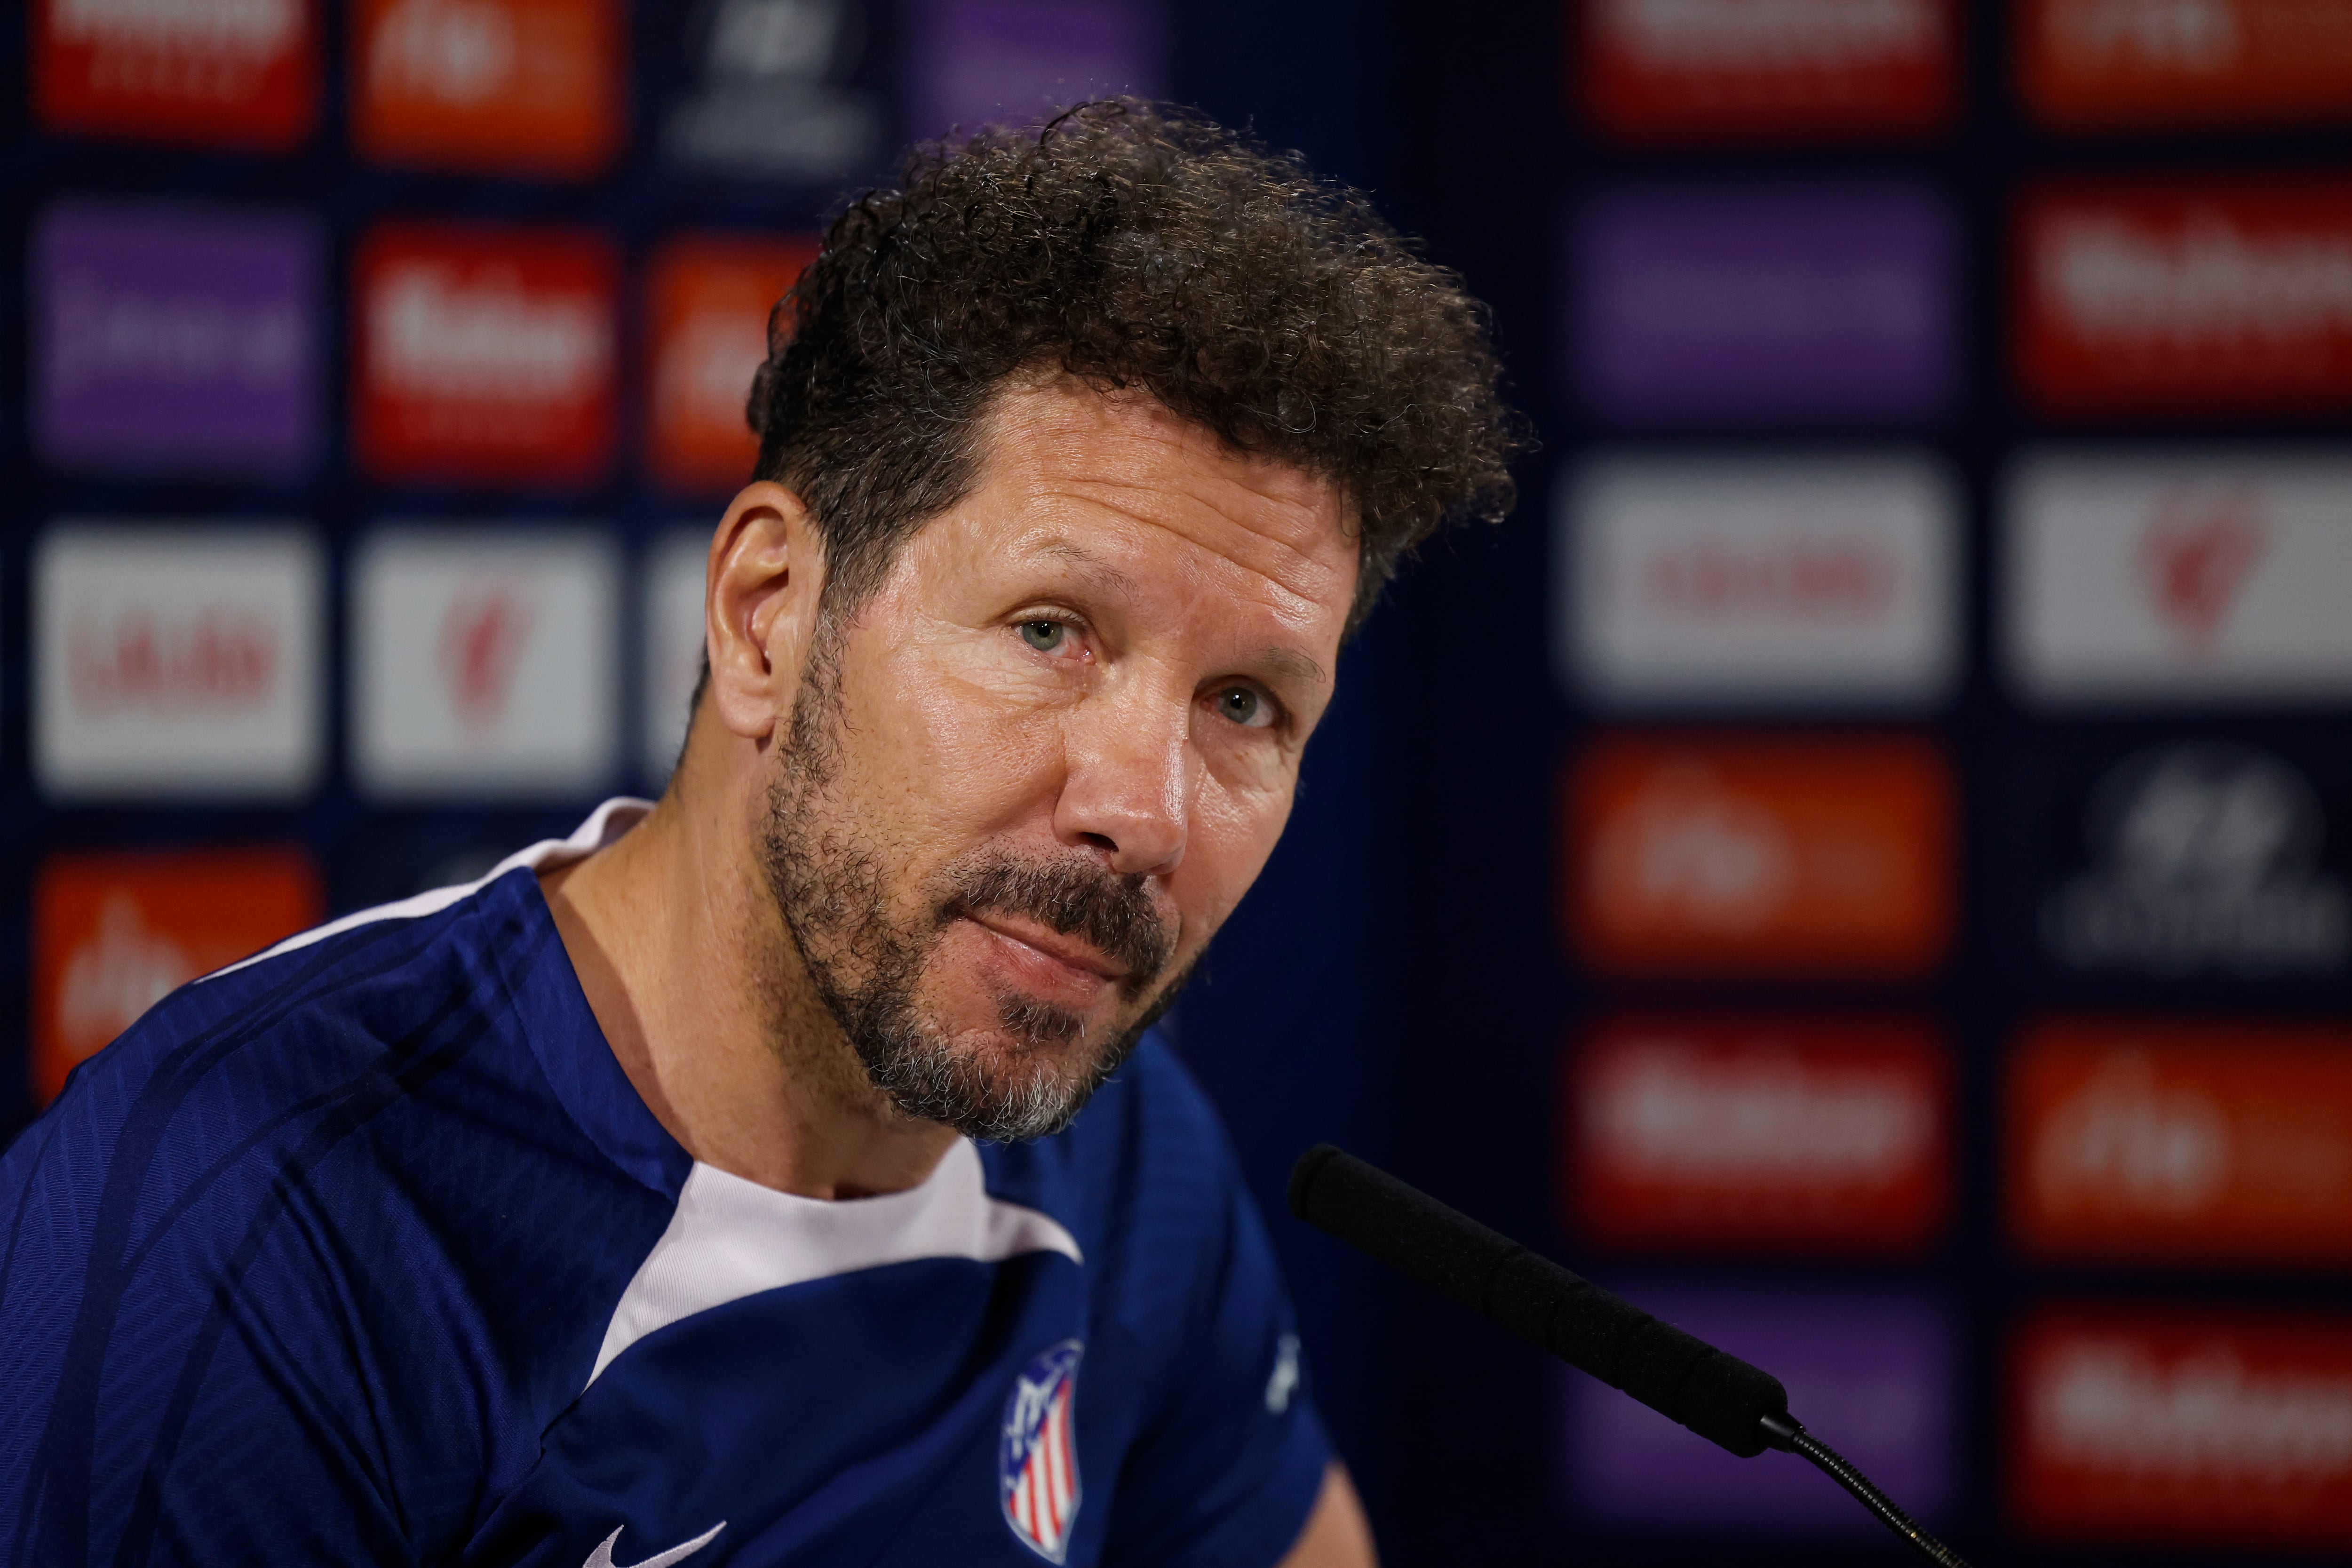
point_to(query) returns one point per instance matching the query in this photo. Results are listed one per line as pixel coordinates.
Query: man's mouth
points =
(1069, 952)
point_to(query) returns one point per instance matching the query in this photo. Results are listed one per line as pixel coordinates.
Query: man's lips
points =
(1072, 952)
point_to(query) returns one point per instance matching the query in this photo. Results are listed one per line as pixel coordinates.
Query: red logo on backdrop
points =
(2198, 551)
(1824, 1136)
(533, 86)
(2116, 64)
(483, 634)
(709, 300)
(1736, 854)
(2164, 1142)
(233, 73)
(115, 932)
(2187, 300)
(1691, 70)
(2187, 1427)
(485, 354)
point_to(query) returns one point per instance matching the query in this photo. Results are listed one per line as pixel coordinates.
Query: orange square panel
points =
(1741, 1135)
(2158, 65)
(214, 73)
(2176, 1141)
(526, 86)
(2181, 1427)
(485, 354)
(1758, 856)
(708, 301)
(1695, 71)
(115, 931)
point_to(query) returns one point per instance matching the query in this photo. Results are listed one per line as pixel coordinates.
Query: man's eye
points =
(1245, 707)
(1045, 636)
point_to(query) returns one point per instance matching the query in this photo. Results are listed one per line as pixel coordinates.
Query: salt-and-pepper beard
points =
(866, 964)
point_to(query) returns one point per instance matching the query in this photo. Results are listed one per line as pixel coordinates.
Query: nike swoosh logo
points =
(603, 1556)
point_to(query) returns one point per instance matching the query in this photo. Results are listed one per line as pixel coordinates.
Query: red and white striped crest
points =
(1037, 1459)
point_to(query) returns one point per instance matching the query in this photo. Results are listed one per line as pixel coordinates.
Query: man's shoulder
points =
(339, 1170)
(353, 1037)
(324, 1004)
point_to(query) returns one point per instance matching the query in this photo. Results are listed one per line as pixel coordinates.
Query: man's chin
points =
(1000, 1082)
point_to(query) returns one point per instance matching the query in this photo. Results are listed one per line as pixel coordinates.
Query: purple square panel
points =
(976, 62)
(167, 337)
(1766, 306)
(1870, 1372)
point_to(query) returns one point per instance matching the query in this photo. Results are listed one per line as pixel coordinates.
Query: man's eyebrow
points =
(1283, 661)
(1104, 574)
(1292, 663)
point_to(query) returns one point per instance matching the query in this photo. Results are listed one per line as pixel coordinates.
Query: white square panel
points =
(1746, 580)
(2189, 577)
(485, 662)
(177, 660)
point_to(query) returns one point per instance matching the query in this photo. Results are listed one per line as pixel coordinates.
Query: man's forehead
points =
(1068, 456)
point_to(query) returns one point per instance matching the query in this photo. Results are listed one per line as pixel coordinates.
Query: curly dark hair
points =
(1128, 246)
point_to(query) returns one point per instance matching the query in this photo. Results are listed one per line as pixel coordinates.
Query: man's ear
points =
(765, 576)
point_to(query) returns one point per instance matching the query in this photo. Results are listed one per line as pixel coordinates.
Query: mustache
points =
(1111, 913)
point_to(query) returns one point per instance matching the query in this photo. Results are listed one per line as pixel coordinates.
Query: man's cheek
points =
(928, 764)
(982, 773)
(1233, 832)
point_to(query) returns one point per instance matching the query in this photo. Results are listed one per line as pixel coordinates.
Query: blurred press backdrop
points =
(1861, 862)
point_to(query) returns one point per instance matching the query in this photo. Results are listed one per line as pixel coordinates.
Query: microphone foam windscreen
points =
(1719, 1396)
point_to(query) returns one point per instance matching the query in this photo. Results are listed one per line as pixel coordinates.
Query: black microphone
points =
(1685, 1379)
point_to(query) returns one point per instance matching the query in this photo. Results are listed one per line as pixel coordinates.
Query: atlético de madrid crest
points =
(1037, 1458)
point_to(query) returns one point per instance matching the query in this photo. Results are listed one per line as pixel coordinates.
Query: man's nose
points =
(1129, 786)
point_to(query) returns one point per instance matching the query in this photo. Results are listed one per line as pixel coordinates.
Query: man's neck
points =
(698, 987)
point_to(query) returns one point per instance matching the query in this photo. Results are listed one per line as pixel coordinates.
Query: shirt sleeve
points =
(180, 1377)
(1230, 1468)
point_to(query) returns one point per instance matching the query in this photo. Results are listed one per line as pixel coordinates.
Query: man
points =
(712, 1186)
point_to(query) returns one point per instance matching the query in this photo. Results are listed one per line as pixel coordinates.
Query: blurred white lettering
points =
(435, 335)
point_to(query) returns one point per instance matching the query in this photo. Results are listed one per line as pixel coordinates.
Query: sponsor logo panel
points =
(1747, 1135)
(1766, 305)
(672, 585)
(779, 91)
(709, 299)
(176, 661)
(221, 73)
(2198, 859)
(2179, 579)
(2134, 65)
(1736, 855)
(1733, 580)
(116, 932)
(2186, 298)
(2167, 1141)
(982, 62)
(2187, 1427)
(1870, 1370)
(527, 85)
(1695, 70)
(174, 336)
(485, 354)
(485, 662)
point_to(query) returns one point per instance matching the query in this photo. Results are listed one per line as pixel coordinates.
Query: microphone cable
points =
(1789, 1435)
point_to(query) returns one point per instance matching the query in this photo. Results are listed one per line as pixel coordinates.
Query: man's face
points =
(1020, 792)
